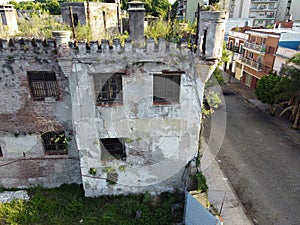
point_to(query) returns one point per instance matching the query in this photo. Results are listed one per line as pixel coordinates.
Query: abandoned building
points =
(118, 119)
(104, 18)
(8, 18)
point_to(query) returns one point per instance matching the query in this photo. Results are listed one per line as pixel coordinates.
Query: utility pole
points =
(197, 29)
(72, 22)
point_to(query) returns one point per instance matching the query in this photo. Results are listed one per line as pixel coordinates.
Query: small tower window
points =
(1, 153)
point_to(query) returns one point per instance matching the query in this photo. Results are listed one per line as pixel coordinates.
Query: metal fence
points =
(196, 214)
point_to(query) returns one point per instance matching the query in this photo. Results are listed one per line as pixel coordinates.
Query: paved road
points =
(262, 164)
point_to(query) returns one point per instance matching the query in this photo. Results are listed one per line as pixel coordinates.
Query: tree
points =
(289, 89)
(283, 91)
(160, 8)
(52, 6)
(265, 89)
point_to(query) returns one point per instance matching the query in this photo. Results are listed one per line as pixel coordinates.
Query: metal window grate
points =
(108, 89)
(166, 88)
(43, 84)
(55, 143)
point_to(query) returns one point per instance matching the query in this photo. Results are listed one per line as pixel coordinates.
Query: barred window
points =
(166, 88)
(43, 84)
(114, 147)
(108, 89)
(55, 143)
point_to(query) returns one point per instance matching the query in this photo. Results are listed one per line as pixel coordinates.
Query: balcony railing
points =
(255, 65)
(255, 47)
(233, 48)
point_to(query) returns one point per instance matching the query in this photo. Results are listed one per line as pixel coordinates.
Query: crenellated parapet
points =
(106, 47)
(18, 47)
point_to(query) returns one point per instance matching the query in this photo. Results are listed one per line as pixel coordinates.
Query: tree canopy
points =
(265, 89)
(283, 91)
(153, 7)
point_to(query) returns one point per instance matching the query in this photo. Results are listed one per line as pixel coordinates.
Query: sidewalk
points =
(221, 194)
(248, 94)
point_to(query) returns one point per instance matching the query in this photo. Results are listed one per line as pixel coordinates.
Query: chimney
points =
(62, 39)
(136, 21)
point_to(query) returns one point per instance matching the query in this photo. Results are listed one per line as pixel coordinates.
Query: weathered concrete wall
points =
(162, 138)
(211, 35)
(23, 119)
(102, 17)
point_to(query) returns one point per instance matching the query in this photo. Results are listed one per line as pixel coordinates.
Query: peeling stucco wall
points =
(23, 119)
(162, 138)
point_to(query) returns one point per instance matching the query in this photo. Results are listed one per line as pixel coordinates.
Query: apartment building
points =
(236, 40)
(187, 9)
(258, 52)
(288, 10)
(262, 11)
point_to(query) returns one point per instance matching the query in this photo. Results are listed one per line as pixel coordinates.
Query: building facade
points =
(265, 51)
(119, 119)
(263, 12)
(235, 43)
(288, 10)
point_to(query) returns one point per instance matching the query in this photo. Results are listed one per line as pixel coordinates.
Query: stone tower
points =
(9, 18)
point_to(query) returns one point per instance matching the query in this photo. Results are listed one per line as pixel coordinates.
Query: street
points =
(262, 163)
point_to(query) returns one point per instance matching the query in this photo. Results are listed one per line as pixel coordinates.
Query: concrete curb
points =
(222, 195)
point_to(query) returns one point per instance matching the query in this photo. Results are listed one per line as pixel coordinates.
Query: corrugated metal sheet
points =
(196, 213)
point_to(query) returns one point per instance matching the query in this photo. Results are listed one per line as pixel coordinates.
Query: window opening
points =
(204, 42)
(104, 20)
(55, 143)
(113, 147)
(1, 153)
(166, 88)
(43, 84)
(76, 19)
(108, 89)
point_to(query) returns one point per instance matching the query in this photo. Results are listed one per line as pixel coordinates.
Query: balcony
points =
(233, 48)
(261, 49)
(254, 65)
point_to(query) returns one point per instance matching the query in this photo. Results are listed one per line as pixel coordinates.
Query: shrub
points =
(201, 180)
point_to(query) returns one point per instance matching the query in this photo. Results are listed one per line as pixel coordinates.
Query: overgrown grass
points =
(67, 205)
